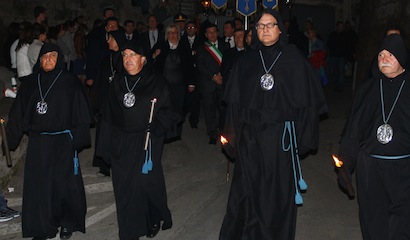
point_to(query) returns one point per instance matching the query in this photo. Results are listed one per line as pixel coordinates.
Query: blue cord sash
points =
(147, 166)
(293, 148)
(75, 158)
(390, 157)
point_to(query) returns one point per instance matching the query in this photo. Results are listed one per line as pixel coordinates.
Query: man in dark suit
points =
(97, 48)
(151, 37)
(232, 54)
(193, 98)
(180, 21)
(210, 80)
(129, 27)
(229, 29)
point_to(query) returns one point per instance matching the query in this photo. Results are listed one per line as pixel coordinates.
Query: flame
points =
(338, 162)
(223, 140)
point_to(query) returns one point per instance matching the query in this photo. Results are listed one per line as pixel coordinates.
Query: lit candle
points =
(342, 170)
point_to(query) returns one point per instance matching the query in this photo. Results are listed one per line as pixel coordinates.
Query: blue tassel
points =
(145, 168)
(298, 199)
(149, 165)
(149, 158)
(76, 165)
(302, 184)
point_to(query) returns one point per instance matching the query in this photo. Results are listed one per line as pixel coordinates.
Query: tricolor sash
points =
(214, 51)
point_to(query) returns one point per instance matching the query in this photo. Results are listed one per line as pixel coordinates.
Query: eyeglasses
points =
(268, 25)
(190, 27)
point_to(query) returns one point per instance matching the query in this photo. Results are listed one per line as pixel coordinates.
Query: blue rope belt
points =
(390, 157)
(293, 148)
(147, 166)
(75, 158)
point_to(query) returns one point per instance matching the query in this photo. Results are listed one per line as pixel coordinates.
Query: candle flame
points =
(338, 162)
(223, 140)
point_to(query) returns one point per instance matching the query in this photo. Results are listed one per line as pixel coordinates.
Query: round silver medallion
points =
(267, 81)
(41, 107)
(384, 133)
(129, 99)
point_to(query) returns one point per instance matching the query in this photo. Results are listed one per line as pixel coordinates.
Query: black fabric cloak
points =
(111, 65)
(53, 195)
(141, 198)
(383, 185)
(261, 203)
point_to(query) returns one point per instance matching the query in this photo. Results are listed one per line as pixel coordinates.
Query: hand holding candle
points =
(342, 170)
(153, 101)
(224, 143)
(5, 143)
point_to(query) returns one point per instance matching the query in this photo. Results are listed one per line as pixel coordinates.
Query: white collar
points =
(173, 46)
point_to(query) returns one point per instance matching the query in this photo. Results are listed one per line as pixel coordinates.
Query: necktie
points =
(129, 37)
(153, 37)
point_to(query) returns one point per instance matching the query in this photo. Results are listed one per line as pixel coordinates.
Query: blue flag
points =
(218, 4)
(271, 4)
(246, 7)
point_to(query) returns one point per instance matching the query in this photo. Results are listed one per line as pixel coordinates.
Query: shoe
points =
(212, 141)
(40, 238)
(65, 233)
(154, 230)
(13, 212)
(102, 173)
(5, 216)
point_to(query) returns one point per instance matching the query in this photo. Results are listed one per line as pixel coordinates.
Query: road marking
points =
(98, 187)
(100, 215)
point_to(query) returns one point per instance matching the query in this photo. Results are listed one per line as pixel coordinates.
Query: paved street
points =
(195, 174)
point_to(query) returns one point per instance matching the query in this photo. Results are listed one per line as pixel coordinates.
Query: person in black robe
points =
(137, 175)
(98, 91)
(52, 108)
(376, 142)
(174, 61)
(268, 124)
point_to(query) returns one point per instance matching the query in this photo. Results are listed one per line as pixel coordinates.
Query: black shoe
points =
(103, 173)
(65, 233)
(212, 141)
(154, 230)
(40, 238)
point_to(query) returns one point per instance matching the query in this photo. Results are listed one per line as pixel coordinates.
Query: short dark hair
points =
(230, 22)
(38, 10)
(210, 25)
(237, 19)
(111, 19)
(108, 9)
(37, 30)
(152, 15)
(128, 21)
(239, 30)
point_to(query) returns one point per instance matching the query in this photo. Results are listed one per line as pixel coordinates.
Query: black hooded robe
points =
(261, 203)
(111, 65)
(382, 170)
(141, 199)
(53, 195)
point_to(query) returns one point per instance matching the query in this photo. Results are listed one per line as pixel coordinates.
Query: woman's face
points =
(173, 36)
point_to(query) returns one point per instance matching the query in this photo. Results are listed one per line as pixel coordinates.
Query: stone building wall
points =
(376, 16)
